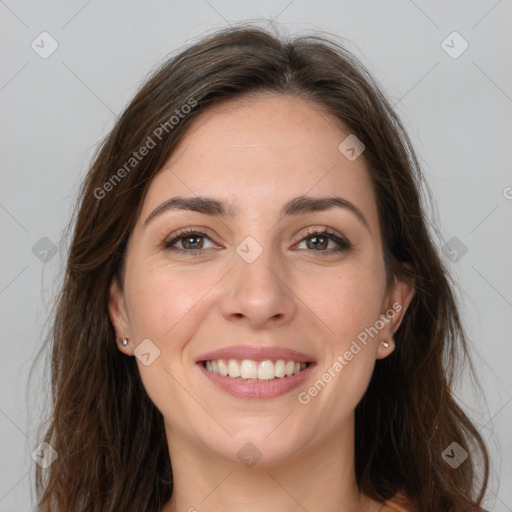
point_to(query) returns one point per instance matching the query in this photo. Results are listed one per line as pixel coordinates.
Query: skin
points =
(258, 153)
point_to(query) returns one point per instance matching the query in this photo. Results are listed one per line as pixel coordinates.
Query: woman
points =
(254, 315)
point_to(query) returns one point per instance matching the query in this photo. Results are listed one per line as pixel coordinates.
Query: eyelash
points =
(343, 243)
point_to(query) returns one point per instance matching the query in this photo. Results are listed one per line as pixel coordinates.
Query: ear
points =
(119, 317)
(396, 302)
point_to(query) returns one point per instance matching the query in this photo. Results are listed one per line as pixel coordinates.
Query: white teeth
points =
(249, 369)
(253, 370)
(280, 368)
(233, 368)
(266, 370)
(223, 368)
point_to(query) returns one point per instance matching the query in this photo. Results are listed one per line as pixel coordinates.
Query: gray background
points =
(54, 111)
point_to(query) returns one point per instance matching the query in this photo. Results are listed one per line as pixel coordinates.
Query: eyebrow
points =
(296, 206)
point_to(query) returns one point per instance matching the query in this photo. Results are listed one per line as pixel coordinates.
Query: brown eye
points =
(319, 241)
(192, 242)
(188, 242)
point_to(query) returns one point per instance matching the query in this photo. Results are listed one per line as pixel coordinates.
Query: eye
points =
(192, 241)
(319, 240)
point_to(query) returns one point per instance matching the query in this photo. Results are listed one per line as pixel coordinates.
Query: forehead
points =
(262, 151)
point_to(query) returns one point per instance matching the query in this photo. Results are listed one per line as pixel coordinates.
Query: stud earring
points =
(385, 343)
(124, 342)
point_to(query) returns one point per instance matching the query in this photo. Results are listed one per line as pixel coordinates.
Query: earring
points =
(124, 342)
(385, 343)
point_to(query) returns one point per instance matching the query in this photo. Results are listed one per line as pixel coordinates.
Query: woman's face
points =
(255, 282)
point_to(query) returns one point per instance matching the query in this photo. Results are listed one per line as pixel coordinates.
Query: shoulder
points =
(400, 503)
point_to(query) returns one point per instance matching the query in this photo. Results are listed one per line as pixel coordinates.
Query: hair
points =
(109, 436)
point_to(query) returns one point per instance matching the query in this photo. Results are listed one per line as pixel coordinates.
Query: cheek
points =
(348, 301)
(349, 306)
(161, 298)
(164, 305)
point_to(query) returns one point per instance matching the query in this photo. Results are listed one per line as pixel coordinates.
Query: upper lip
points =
(240, 352)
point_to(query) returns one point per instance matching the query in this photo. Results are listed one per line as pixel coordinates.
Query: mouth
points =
(252, 372)
(255, 371)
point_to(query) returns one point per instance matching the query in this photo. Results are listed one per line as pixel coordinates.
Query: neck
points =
(315, 478)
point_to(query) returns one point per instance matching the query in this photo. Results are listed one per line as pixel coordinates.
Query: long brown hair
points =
(110, 438)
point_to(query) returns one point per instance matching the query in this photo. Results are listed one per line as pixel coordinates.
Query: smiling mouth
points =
(255, 371)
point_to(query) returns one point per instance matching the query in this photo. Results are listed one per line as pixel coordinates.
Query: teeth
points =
(248, 369)
(223, 367)
(280, 368)
(233, 368)
(266, 370)
(252, 370)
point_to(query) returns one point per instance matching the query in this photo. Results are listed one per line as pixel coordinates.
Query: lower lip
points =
(257, 390)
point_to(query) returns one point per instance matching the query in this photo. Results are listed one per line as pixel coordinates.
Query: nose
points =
(259, 293)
